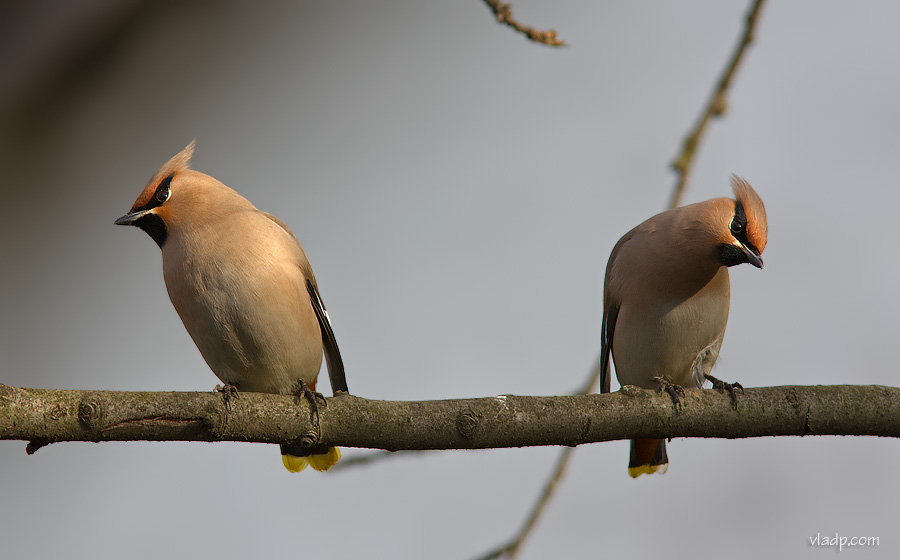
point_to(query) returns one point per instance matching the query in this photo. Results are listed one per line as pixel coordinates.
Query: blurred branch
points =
(372, 457)
(45, 416)
(715, 107)
(503, 12)
(362, 460)
(682, 166)
(511, 548)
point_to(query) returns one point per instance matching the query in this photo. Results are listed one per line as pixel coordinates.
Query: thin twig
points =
(682, 166)
(503, 12)
(362, 459)
(365, 459)
(715, 107)
(511, 549)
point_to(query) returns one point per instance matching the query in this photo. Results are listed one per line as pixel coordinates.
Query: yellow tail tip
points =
(637, 471)
(293, 463)
(325, 461)
(321, 462)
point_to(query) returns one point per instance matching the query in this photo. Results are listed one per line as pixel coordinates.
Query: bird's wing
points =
(610, 314)
(332, 353)
(611, 305)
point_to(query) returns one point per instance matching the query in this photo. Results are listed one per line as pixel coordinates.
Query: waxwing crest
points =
(754, 209)
(179, 162)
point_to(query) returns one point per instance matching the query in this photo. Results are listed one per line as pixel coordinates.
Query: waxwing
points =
(666, 298)
(243, 287)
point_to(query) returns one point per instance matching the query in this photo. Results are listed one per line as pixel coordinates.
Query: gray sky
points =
(458, 191)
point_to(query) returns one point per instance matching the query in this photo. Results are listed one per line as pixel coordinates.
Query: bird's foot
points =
(675, 391)
(304, 391)
(730, 388)
(229, 392)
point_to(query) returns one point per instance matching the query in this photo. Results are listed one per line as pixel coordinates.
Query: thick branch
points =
(46, 416)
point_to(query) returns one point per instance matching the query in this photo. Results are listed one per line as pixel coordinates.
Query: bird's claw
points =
(676, 392)
(229, 392)
(304, 391)
(730, 388)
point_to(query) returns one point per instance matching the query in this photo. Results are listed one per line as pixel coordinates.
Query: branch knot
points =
(90, 411)
(467, 424)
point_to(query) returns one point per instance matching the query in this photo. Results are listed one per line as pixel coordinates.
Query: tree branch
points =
(508, 549)
(47, 416)
(715, 107)
(503, 12)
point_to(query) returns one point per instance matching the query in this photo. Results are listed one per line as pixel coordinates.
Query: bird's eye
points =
(737, 226)
(163, 194)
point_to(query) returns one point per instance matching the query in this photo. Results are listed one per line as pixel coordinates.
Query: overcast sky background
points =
(458, 190)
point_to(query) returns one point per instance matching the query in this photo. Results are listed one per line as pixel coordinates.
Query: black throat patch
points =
(154, 226)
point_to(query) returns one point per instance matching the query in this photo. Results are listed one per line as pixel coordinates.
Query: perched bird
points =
(243, 287)
(666, 296)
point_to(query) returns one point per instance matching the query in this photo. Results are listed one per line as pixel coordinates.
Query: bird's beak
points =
(131, 217)
(752, 256)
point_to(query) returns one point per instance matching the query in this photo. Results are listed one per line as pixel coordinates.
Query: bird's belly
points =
(666, 343)
(255, 343)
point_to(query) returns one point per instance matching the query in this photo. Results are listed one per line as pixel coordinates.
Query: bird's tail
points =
(648, 456)
(294, 460)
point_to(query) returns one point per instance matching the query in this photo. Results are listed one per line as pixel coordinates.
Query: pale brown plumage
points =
(666, 297)
(241, 283)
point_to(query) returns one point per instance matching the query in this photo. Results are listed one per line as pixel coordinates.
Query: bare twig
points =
(715, 107)
(503, 12)
(366, 459)
(360, 460)
(682, 166)
(511, 548)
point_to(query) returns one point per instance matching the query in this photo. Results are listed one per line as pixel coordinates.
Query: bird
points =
(666, 297)
(244, 289)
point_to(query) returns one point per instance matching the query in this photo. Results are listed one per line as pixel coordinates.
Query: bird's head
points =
(740, 226)
(178, 198)
(152, 211)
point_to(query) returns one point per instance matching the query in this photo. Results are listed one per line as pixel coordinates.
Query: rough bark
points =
(44, 416)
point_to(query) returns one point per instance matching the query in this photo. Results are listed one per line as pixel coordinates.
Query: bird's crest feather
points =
(755, 210)
(179, 162)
